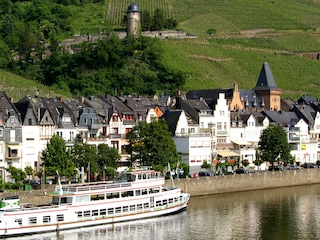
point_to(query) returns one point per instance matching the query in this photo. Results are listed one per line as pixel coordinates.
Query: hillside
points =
(248, 33)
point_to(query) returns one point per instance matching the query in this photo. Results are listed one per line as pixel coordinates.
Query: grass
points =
(290, 30)
(17, 87)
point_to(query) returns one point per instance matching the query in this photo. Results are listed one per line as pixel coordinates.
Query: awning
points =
(227, 153)
(241, 142)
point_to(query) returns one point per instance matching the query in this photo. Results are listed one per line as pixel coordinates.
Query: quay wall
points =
(246, 182)
(205, 185)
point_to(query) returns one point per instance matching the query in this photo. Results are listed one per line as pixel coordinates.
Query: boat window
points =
(144, 176)
(46, 219)
(132, 208)
(139, 206)
(79, 214)
(116, 195)
(165, 202)
(154, 190)
(66, 200)
(146, 205)
(139, 176)
(32, 220)
(60, 218)
(110, 210)
(55, 200)
(80, 199)
(87, 213)
(118, 210)
(171, 200)
(138, 192)
(95, 212)
(158, 203)
(103, 212)
(144, 191)
(125, 209)
(19, 221)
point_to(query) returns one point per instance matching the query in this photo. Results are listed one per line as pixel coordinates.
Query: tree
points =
(273, 145)
(29, 171)
(146, 21)
(206, 165)
(56, 157)
(151, 144)
(158, 20)
(85, 156)
(16, 174)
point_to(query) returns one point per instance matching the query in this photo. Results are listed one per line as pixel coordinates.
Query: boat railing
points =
(92, 187)
(28, 207)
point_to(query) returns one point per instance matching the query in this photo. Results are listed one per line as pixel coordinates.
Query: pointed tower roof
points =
(266, 80)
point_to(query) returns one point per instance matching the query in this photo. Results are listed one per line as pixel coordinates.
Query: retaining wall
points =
(247, 182)
(207, 185)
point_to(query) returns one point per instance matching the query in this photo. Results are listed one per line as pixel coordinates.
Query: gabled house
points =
(193, 146)
(11, 135)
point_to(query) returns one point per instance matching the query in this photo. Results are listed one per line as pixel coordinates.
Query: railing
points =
(93, 187)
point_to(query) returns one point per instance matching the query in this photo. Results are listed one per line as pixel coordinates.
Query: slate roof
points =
(266, 80)
(133, 8)
(172, 117)
(307, 100)
(305, 112)
(281, 117)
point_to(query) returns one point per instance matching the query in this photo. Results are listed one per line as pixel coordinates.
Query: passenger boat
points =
(136, 195)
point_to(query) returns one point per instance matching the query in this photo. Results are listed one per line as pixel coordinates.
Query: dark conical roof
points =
(266, 80)
(133, 8)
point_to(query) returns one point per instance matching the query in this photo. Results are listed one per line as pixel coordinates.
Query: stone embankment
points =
(206, 185)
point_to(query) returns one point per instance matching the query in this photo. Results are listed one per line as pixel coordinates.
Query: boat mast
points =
(169, 168)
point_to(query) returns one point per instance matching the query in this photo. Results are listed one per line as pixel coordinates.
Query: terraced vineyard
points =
(115, 9)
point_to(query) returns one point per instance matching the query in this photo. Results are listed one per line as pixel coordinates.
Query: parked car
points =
(309, 165)
(241, 171)
(275, 168)
(293, 167)
(35, 182)
(205, 174)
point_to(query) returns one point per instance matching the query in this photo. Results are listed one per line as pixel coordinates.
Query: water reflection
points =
(284, 213)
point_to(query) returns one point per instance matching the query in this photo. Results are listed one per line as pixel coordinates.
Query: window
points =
(115, 118)
(110, 211)
(219, 126)
(32, 220)
(103, 212)
(19, 221)
(60, 218)
(29, 121)
(46, 219)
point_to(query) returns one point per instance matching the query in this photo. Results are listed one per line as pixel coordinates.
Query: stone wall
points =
(247, 182)
(206, 185)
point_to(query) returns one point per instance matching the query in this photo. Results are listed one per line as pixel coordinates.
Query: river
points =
(283, 213)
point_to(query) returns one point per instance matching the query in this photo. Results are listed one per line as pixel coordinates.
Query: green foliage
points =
(206, 165)
(111, 63)
(289, 31)
(85, 155)
(16, 174)
(29, 171)
(108, 157)
(56, 157)
(151, 144)
(274, 146)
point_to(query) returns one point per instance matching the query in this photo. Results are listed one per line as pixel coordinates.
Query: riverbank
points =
(205, 185)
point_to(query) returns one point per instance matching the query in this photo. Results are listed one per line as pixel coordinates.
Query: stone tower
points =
(133, 18)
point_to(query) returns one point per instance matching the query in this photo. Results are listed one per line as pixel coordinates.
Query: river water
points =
(284, 213)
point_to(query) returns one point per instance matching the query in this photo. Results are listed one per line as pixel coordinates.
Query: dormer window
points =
(12, 118)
